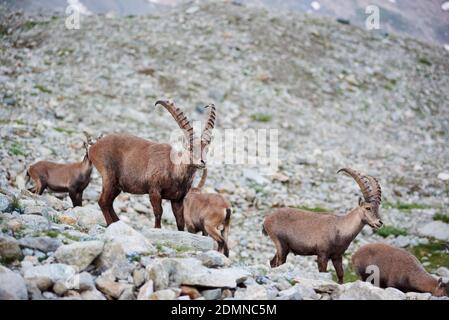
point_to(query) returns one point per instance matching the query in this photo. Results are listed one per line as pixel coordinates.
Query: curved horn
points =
(368, 185)
(88, 138)
(206, 136)
(180, 119)
(203, 179)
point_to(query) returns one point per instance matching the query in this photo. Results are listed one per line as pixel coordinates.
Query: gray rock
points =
(442, 272)
(9, 248)
(34, 222)
(12, 285)
(44, 244)
(167, 294)
(122, 241)
(4, 203)
(179, 271)
(435, 229)
(176, 239)
(252, 292)
(92, 294)
(139, 277)
(127, 294)
(146, 291)
(213, 259)
(360, 290)
(79, 254)
(298, 292)
(87, 217)
(320, 286)
(108, 286)
(50, 274)
(418, 296)
(212, 294)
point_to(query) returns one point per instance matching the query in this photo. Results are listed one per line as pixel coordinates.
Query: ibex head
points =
(372, 196)
(195, 149)
(442, 289)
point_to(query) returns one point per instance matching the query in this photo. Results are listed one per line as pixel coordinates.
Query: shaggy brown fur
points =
(72, 178)
(138, 166)
(207, 212)
(398, 269)
(323, 234)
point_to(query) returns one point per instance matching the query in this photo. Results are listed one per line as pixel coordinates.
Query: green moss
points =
(386, 231)
(433, 252)
(314, 209)
(63, 130)
(441, 217)
(71, 237)
(17, 150)
(159, 247)
(134, 257)
(261, 117)
(349, 276)
(424, 61)
(42, 88)
(31, 24)
(404, 206)
(15, 205)
(182, 248)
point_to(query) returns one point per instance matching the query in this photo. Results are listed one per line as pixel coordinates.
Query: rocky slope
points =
(339, 95)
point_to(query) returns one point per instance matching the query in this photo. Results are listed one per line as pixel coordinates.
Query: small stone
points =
(44, 244)
(213, 259)
(12, 285)
(418, 296)
(128, 294)
(192, 292)
(443, 176)
(139, 277)
(146, 291)
(252, 292)
(212, 294)
(92, 294)
(110, 287)
(4, 203)
(167, 294)
(9, 248)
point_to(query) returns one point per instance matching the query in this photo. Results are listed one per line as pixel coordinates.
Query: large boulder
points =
(171, 272)
(46, 275)
(86, 217)
(12, 285)
(4, 203)
(435, 229)
(360, 290)
(9, 249)
(79, 254)
(177, 239)
(44, 244)
(122, 242)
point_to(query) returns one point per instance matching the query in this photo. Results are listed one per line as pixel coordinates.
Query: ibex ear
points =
(360, 201)
(440, 283)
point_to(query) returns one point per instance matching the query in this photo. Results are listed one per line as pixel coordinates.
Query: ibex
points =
(72, 177)
(207, 212)
(397, 268)
(138, 166)
(325, 235)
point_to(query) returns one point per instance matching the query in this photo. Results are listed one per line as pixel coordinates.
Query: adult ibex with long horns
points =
(325, 235)
(131, 164)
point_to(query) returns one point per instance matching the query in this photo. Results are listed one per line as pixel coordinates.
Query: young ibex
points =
(397, 268)
(72, 177)
(325, 235)
(138, 166)
(207, 212)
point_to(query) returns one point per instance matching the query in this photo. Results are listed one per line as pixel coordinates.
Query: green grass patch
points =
(441, 217)
(386, 231)
(42, 88)
(314, 209)
(71, 237)
(404, 206)
(182, 248)
(349, 276)
(17, 150)
(424, 61)
(261, 117)
(15, 205)
(134, 257)
(28, 25)
(433, 252)
(63, 130)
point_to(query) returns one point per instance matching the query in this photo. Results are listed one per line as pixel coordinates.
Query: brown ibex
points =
(325, 235)
(131, 164)
(398, 269)
(207, 212)
(72, 177)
